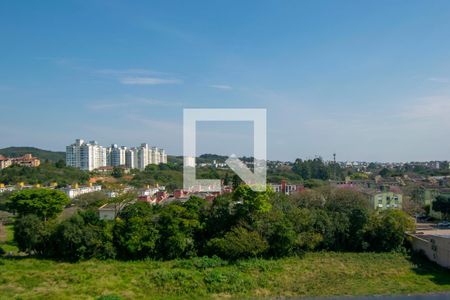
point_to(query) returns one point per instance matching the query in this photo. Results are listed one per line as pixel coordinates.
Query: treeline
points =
(239, 225)
(170, 175)
(43, 155)
(317, 169)
(420, 170)
(45, 174)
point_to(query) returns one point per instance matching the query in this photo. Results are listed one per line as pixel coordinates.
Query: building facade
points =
(286, 188)
(86, 156)
(25, 161)
(386, 200)
(4, 162)
(91, 156)
(117, 155)
(73, 192)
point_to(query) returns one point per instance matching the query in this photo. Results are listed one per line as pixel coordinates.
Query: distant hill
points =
(39, 153)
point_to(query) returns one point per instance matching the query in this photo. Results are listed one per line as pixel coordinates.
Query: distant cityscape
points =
(90, 156)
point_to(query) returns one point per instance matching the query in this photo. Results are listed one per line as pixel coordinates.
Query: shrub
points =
(385, 230)
(32, 235)
(239, 243)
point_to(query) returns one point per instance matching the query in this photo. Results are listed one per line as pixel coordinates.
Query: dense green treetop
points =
(44, 203)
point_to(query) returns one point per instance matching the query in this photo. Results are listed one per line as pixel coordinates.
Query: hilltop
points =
(43, 155)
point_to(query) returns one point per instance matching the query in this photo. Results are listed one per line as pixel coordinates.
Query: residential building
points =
(26, 161)
(107, 211)
(385, 199)
(162, 156)
(73, 154)
(105, 169)
(4, 162)
(155, 155)
(91, 156)
(144, 156)
(285, 188)
(86, 156)
(77, 191)
(131, 156)
(117, 155)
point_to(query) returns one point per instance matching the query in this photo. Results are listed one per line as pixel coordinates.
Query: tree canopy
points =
(44, 203)
(242, 224)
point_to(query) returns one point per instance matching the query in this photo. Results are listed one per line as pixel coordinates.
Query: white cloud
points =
(148, 81)
(427, 108)
(221, 86)
(131, 76)
(138, 76)
(439, 79)
(129, 72)
(132, 101)
(105, 105)
(156, 102)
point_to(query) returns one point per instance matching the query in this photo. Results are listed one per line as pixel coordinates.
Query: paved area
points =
(440, 296)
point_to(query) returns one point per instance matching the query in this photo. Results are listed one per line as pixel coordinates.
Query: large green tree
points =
(44, 203)
(135, 232)
(179, 224)
(32, 235)
(82, 236)
(385, 230)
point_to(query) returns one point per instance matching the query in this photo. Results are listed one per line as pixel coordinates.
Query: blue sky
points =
(369, 80)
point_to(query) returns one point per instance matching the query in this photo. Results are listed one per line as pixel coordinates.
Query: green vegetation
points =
(6, 239)
(442, 204)
(44, 203)
(316, 169)
(416, 169)
(243, 224)
(245, 244)
(310, 172)
(43, 155)
(169, 175)
(45, 174)
(315, 274)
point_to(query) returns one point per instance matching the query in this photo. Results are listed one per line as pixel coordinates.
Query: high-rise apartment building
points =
(131, 156)
(85, 156)
(155, 155)
(117, 155)
(90, 156)
(162, 156)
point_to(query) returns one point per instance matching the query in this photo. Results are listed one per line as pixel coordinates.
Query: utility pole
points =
(334, 159)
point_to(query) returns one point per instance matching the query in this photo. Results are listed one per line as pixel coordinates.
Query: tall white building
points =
(144, 157)
(90, 156)
(85, 156)
(131, 156)
(155, 155)
(73, 154)
(162, 156)
(117, 155)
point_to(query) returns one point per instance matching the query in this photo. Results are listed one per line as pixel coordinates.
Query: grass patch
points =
(315, 274)
(7, 240)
